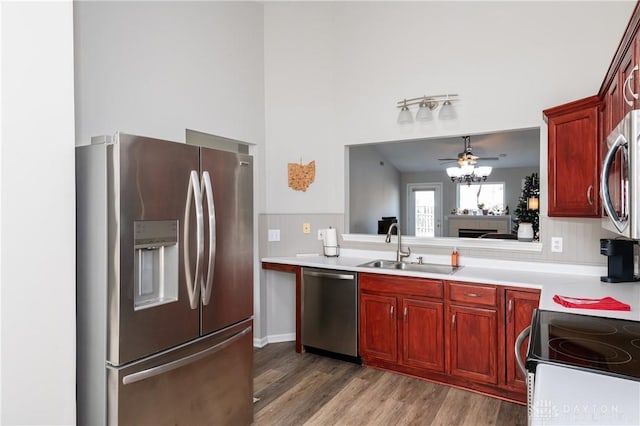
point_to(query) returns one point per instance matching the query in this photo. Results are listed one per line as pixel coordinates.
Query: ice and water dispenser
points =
(156, 263)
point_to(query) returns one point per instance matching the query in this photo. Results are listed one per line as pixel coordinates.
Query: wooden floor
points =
(310, 389)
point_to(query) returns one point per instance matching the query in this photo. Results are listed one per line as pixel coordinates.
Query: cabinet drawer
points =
(474, 294)
(395, 284)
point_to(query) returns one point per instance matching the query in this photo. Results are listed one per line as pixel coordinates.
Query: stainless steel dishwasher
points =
(330, 311)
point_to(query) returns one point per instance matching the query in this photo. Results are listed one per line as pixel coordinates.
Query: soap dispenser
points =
(454, 257)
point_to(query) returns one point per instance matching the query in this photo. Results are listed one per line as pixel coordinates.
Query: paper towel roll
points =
(330, 242)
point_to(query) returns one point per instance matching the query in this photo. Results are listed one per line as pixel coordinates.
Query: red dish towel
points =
(606, 303)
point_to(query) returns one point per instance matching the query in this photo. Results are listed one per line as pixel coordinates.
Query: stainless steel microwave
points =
(620, 178)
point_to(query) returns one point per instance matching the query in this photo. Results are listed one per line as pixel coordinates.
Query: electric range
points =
(596, 344)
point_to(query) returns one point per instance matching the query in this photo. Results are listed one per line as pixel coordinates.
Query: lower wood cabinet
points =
(378, 329)
(473, 343)
(422, 334)
(520, 307)
(398, 324)
(450, 332)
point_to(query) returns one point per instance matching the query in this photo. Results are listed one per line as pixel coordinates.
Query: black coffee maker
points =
(620, 260)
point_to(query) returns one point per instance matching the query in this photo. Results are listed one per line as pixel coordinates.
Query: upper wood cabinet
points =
(574, 158)
(621, 84)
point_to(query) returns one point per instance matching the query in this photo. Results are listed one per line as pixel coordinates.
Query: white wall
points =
(374, 189)
(334, 72)
(156, 68)
(38, 215)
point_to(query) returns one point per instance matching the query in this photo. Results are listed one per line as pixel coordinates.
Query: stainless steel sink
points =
(406, 266)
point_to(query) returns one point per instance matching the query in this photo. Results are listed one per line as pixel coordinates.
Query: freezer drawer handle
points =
(161, 369)
(208, 193)
(329, 275)
(193, 282)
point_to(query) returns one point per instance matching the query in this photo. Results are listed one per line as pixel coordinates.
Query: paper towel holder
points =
(330, 245)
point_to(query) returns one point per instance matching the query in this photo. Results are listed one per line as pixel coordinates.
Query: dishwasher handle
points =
(329, 275)
(519, 341)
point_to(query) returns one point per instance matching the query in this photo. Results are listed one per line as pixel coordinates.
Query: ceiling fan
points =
(466, 157)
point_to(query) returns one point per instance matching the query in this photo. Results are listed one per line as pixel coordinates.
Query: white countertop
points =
(515, 274)
(565, 396)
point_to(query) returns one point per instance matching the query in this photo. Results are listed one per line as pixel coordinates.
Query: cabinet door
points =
(520, 307)
(574, 163)
(378, 331)
(473, 343)
(628, 81)
(423, 334)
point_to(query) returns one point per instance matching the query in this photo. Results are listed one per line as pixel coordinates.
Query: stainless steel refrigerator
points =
(164, 283)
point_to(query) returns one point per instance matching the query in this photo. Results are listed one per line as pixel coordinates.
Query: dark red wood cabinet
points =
(520, 307)
(473, 337)
(378, 329)
(574, 158)
(422, 333)
(401, 321)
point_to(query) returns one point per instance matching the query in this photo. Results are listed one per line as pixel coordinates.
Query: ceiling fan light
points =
(466, 169)
(447, 112)
(483, 171)
(454, 172)
(405, 116)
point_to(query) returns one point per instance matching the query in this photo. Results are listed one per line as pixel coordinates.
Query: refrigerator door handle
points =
(208, 193)
(161, 369)
(193, 282)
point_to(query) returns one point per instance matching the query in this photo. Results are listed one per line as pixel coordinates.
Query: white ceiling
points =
(516, 148)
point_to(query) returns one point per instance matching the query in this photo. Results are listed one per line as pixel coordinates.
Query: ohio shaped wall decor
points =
(301, 175)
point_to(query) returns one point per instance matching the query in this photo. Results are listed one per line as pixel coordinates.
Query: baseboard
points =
(274, 338)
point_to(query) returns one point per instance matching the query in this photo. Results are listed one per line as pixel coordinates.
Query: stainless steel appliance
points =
(620, 178)
(595, 344)
(330, 311)
(164, 283)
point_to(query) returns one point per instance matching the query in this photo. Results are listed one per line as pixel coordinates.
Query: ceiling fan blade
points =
(447, 159)
(488, 158)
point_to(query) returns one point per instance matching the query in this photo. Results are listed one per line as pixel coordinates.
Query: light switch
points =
(274, 235)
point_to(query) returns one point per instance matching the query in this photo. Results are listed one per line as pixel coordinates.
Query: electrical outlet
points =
(306, 228)
(556, 244)
(274, 235)
(321, 234)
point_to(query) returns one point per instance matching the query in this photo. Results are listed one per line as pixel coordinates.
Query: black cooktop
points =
(600, 345)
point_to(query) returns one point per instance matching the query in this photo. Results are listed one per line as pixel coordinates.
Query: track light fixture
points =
(426, 104)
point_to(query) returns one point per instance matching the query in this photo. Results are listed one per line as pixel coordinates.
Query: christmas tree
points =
(525, 212)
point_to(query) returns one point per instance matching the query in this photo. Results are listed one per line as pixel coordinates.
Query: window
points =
(490, 195)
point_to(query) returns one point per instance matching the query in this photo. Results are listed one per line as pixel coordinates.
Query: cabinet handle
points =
(511, 310)
(391, 311)
(627, 86)
(453, 320)
(472, 294)
(405, 312)
(589, 190)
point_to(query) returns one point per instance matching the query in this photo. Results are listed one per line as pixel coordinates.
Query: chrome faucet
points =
(399, 254)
